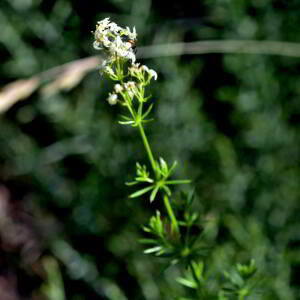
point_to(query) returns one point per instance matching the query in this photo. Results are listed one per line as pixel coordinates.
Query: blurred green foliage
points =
(232, 121)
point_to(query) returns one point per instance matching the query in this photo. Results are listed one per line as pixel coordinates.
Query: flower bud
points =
(112, 99)
(153, 74)
(118, 88)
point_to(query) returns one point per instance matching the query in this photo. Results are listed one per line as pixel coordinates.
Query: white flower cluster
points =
(142, 73)
(129, 87)
(118, 44)
(115, 41)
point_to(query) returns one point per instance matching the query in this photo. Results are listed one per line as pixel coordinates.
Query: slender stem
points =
(171, 214)
(147, 146)
(131, 110)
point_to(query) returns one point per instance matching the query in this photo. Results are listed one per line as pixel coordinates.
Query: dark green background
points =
(230, 120)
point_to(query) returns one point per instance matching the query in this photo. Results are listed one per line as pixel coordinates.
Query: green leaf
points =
(161, 252)
(126, 118)
(147, 241)
(183, 223)
(143, 179)
(147, 112)
(164, 166)
(187, 282)
(172, 168)
(198, 267)
(131, 183)
(235, 279)
(153, 249)
(126, 122)
(153, 194)
(191, 197)
(148, 121)
(141, 192)
(146, 229)
(167, 190)
(179, 181)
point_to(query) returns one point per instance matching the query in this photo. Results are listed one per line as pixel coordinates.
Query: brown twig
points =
(68, 75)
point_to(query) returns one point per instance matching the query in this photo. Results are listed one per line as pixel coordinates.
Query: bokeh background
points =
(68, 229)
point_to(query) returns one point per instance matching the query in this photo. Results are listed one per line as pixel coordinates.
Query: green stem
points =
(171, 214)
(130, 108)
(147, 146)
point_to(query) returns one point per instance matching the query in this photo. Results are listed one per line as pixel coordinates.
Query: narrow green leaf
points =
(147, 241)
(147, 98)
(152, 250)
(167, 190)
(146, 229)
(191, 197)
(148, 121)
(131, 183)
(126, 122)
(183, 223)
(147, 112)
(187, 282)
(142, 179)
(126, 118)
(180, 181)
(172, 168)
(161, 252)
(164, 166)
(153, 194)
(141, 192)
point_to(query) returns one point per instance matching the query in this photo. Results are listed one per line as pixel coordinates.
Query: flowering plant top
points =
(118, 46)
(115, 41)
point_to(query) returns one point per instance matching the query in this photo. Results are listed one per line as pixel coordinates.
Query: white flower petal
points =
(118, 88)
(112, 99)
(153, 74)
(145, 68)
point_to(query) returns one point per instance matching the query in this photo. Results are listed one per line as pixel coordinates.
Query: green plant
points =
(170, 237)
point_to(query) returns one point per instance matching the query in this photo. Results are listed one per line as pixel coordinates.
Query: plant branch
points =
(171, 214)
(147, 146)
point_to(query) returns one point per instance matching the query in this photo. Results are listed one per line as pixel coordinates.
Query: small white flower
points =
(108, 70)
(130, 94)
(118, 88)
(113, 39)
(130, 85)
(153, 74)
(104, 22)
(135, 66)
(145, 68)
(112, 99)
(114, 27)
(105, 41)
(97, 45)
(102, 26)
(132, 35)
(130, 55)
